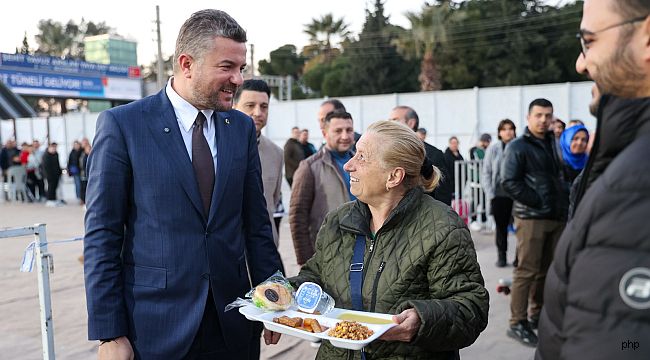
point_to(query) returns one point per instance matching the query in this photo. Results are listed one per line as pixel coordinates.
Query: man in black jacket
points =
(406, 115)
(530, 174)
(598, 288)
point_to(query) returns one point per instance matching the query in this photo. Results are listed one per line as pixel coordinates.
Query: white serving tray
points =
(330, 319)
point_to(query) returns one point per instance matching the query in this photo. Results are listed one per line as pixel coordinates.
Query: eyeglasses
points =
(584, 42)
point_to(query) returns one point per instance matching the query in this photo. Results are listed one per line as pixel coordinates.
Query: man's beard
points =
(206, 98)
(620, 76)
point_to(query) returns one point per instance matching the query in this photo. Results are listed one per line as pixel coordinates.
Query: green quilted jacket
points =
(423, 258)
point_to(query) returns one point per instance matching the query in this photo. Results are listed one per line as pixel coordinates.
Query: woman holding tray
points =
(395, 250)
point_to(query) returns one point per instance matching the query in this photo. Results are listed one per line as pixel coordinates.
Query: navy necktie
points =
(202, 163)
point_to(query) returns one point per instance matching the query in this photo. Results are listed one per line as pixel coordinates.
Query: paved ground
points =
(19, 311)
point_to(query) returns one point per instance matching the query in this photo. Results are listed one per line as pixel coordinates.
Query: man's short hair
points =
(629, 9)
(541, 103)
(295, 128)
(253, 85)
(336, 103)
(485, 137)
(338, 114)
(304, 130)
(197, 34)
(422, 131)
(410, 114)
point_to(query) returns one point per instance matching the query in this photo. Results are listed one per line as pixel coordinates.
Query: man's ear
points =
(645, 37)
(411, 123)
(185, 63)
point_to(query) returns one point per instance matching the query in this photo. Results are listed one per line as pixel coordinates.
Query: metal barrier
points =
(469, 198)
(45, 266)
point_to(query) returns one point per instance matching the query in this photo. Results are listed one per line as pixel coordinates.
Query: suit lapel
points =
(164, 129)
(224, 136)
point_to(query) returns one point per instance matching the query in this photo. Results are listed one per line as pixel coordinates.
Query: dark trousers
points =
(502, 212)
(209, 343)
(277, 220)
(536, 240)
(52, 184)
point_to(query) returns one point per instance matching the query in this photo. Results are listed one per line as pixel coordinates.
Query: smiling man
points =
(175, 208)
(320, 184)
(253, 100)
(597, 303)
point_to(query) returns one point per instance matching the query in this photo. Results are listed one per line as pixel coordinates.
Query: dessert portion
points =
(350, 330)
(307, 324)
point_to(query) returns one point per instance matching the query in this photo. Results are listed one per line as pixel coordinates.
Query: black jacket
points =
(531, 176)
(596, 299)
(51, 166)
(446, 187)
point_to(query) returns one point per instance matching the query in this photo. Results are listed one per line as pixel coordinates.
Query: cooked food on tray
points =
(307, 324)
(351, 330)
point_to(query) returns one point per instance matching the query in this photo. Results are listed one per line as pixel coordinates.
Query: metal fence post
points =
(43, 263)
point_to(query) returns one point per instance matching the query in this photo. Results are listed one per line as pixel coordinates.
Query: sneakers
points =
(523, 333)
(533, 322)
(501, 262)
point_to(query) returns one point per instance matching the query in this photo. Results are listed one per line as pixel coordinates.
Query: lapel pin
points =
(227, 121)
(166, 130)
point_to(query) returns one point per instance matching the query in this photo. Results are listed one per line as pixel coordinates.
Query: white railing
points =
(469, 198)
(38, 249)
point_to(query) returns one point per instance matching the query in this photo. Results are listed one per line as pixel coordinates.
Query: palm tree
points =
(428, 30)
(320, 33)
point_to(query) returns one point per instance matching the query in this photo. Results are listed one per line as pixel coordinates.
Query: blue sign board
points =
(50, 76)
(52, 64)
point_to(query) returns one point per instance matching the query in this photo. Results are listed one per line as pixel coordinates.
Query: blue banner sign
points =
(52, 64)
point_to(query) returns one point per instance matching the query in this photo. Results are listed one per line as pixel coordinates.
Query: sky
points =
(269, 23)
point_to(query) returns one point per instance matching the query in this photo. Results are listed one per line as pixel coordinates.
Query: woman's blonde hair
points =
(400, 147)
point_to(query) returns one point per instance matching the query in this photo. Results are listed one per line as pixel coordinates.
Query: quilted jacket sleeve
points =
(458, 309)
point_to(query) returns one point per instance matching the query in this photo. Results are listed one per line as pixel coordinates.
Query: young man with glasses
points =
(597, 295)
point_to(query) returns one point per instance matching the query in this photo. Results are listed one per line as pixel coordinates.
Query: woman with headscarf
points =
(397, 251)
(573, 143)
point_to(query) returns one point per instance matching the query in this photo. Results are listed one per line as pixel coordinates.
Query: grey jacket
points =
(491, 171)
(271, 158)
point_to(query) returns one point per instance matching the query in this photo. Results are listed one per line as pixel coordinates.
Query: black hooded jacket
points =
(531, 176)
(597, 293)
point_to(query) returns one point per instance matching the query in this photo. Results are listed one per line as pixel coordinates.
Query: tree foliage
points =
(283, 61)
(450, 45)
(66, 41)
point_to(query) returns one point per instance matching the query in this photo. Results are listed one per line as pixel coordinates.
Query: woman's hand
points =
(270, 337)
(408, 324)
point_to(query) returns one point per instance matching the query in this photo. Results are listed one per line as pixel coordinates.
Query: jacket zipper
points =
(374, 286)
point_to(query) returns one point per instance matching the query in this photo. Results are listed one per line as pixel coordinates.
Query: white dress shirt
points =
(186, 115)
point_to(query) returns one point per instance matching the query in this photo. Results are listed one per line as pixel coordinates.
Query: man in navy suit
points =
(176, 210)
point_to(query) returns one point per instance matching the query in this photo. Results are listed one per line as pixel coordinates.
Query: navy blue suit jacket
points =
(150, 253)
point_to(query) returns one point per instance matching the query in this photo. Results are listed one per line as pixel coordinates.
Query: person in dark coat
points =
(73, 167)
(406, 115)
(597, 292)
(531, 176)
(52, 170)
(293, 155)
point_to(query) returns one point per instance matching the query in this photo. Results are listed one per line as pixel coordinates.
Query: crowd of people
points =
(181, 211)
(40, 171)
